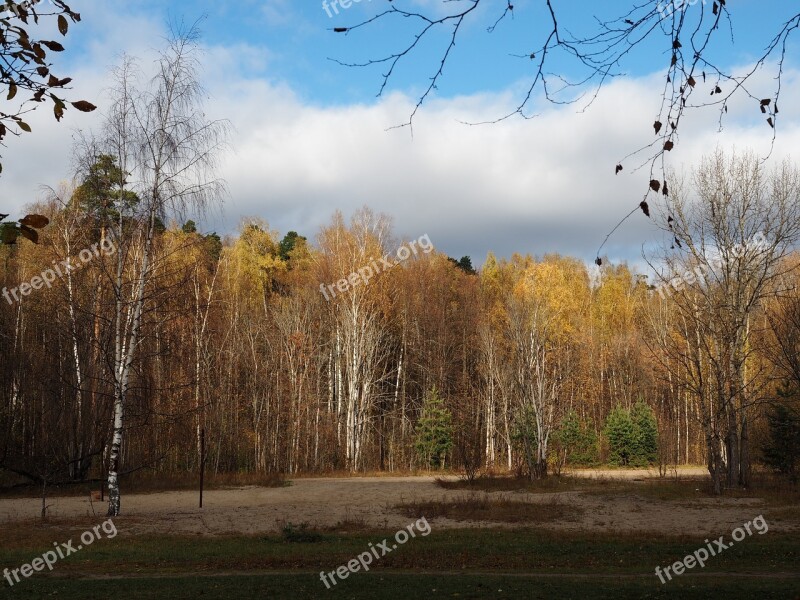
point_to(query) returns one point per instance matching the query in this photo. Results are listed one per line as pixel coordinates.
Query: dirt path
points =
(369, 501)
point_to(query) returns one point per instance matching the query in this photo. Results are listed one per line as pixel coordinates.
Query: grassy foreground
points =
(468, 563)
(397, 586)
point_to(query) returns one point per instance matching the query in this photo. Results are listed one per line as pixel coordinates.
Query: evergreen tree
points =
(782, 448)
(621, 434)
(434, 432)
(214, 244)
(288, 243)
(578, 440)
(465, 264)
(102, 193)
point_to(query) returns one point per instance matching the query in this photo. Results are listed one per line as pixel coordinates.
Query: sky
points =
(310, 136)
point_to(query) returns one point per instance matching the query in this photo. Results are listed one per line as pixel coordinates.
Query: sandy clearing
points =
(326, 502)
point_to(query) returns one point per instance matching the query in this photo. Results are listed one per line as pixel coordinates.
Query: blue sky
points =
(310, 135)
(296, 38)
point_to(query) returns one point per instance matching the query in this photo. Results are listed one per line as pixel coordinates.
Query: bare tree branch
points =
(690, 35)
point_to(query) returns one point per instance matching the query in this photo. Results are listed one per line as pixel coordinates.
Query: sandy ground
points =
(369, 500)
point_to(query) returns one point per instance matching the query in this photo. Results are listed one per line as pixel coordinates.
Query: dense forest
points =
(293, 362)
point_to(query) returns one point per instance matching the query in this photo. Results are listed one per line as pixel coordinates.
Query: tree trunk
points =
(715, 465)
(745, 466)
(114, 499)
(732, 447)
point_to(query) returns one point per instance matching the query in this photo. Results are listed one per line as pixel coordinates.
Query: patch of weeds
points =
(497, 509)
(493, 483)
(301, 533)
(349, 524)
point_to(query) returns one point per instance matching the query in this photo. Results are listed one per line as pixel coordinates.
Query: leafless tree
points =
(726, 255)
(168, 150)
(783, 315)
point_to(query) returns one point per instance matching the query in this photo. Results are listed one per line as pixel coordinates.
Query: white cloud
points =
(536, 186)
(543, 185)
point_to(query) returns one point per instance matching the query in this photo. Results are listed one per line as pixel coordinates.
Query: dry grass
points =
(495, 509)
(493, 483)
(349, 524)
(399, 472)
(145, 482)
(661, 490)
(687, 490)
(314, 532)
(156, 482)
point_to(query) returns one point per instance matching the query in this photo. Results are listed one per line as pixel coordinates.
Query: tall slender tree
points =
(167, 149)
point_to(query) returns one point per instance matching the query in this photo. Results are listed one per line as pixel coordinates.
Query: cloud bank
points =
(530, 186)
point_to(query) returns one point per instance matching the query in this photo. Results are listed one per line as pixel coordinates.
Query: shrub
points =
(300, 533)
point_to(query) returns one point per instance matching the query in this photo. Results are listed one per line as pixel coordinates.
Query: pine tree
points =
(577, 440)
(434, 432)
(288, 243)
(621, 435)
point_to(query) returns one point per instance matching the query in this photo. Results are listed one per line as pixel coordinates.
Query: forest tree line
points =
(526, 364)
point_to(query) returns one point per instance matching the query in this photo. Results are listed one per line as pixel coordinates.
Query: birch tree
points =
(167, 150)
(359, 327)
